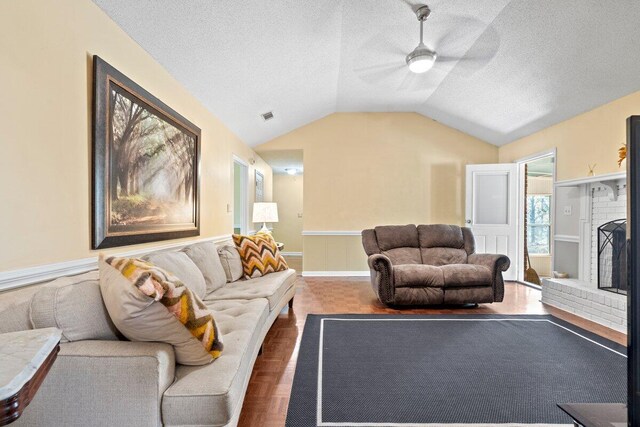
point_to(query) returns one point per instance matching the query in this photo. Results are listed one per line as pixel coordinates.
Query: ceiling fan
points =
(466, 41)
(422, 58)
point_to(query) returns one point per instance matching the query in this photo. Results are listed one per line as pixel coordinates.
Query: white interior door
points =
(492, 210)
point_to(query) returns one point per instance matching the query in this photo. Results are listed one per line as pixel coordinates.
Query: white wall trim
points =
(335, 274)
(591, 179)
(566, 238)
(31, 275)
(331, 233)
(540, 155)
(291, 253)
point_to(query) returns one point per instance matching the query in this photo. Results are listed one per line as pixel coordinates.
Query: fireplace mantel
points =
(607, 180)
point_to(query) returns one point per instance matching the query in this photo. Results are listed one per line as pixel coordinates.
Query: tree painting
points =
(151, 177)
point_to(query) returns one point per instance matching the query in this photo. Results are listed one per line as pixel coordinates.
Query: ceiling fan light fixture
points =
(421, 59)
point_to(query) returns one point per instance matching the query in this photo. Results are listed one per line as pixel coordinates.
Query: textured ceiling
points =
(524, 66)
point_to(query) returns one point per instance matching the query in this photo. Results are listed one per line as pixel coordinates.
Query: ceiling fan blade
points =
(471, 55)
(417, 82)
(377, 73)
(386, 66)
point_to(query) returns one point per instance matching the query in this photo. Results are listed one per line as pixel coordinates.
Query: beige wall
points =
(45, 118)
(288, 194)
(592, 137)
(366, 169)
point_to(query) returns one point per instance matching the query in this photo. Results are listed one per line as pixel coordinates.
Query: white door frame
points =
(244, 194)
(521, 207)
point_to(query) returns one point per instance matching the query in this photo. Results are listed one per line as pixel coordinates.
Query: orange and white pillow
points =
(259, 255)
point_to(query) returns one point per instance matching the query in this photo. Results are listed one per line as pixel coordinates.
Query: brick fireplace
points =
(591, 248)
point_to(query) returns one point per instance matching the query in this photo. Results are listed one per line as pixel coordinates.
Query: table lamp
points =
(265, 212)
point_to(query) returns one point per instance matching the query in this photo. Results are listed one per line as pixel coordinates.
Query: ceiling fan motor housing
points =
(423, 13)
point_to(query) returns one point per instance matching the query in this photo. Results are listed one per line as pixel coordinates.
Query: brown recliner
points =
(431, 264)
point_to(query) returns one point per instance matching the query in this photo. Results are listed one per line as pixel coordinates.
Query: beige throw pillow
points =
(75, 306)
(147, 303)
(181, 266)
(231, 262)
(205, 256)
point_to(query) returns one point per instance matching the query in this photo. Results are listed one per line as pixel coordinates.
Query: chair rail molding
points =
(332, 233)
(33, 275)
(348, 273)
(566, 238)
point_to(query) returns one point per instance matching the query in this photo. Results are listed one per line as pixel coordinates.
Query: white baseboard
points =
(291, 253)
(335, 274)
(42, 273)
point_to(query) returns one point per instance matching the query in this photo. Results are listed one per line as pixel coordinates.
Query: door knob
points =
(468, 221)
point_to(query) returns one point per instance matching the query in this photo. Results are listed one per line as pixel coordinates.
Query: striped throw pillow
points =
(259, 254)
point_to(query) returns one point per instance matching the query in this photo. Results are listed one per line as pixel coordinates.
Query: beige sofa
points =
(102, 382)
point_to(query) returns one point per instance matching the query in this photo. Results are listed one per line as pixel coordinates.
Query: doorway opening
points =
(288, 185)
(537, 215)
(240, 196)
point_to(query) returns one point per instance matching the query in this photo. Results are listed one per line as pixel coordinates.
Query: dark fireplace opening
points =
(612, 256)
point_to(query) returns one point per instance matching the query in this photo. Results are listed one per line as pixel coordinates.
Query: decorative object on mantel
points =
(622, 154)
(592, 169)
(25, 360)
(560, 275)
(265, 212)
(145, 165)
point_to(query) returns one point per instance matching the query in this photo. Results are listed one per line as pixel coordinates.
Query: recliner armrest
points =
(382, 277)
(494, 262)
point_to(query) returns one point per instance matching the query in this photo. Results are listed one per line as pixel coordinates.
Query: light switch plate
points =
(567, 210)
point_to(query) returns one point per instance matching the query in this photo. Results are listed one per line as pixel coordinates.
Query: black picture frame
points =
(183, 139)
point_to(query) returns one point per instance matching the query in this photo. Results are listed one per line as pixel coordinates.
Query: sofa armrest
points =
(382, 277)
(497, 264)
(102, 383)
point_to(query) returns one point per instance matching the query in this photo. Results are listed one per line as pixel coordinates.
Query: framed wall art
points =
(146, 162)
(259, 187)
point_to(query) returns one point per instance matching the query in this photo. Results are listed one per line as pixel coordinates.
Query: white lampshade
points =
(265, 212)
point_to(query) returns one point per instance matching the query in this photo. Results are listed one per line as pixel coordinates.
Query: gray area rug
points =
(382, 370)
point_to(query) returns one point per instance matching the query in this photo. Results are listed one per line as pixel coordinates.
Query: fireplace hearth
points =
(612, 256)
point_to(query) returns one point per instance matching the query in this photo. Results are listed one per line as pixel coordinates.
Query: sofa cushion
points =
(404, 255)
(210, 395)
(396, 236)
(147, 303)
(272, 287)
(231, 262)
(440, 236)
(181, 266)
(443, 256)
(417, 275)
(474, 295)
(205, 257)
(418, 296)
(14, 309)
(259, 255)
(464, 275)
(75, 306)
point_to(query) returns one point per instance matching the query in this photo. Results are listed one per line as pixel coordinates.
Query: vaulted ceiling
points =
(508, 68)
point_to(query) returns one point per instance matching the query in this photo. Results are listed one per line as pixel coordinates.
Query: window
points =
(539, 224)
